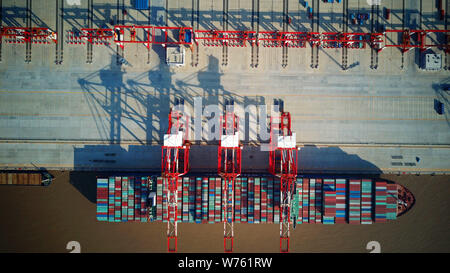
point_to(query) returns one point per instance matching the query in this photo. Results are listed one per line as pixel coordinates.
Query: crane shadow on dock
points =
(131, 115)
(442, 101)
(321, 160)
(130, 112)
(113, 160)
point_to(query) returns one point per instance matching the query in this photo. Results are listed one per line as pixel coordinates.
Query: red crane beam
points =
(161, 35)
(149, 35)
(41, 35)
(282, 39)
(233, 38)
(410, 39)
(91, 35)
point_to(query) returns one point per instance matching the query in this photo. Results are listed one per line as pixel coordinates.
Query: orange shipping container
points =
(14, 179)
(26, 179)
(3, 178)
(20, 178)
(36, 179)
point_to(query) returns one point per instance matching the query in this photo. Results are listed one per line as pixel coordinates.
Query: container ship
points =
(256, 200)
(284, 197)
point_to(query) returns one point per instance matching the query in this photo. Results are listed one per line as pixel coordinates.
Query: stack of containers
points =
(276, 200)
(124, 199)
(191, 199)
(198, 200)
(111, 199)
(264, 200)
(270, 200)
(165, 209)
(118, 197)
(251, 199)
(312, 200)
(341, 214)
(380, 202)
(392, 197)
(138, 201)
(152, 208)
(299, 189)
(185, 199)
(257, 212)
(217, 206)
(366, 201)
(166, 201)
(102, 199)
(355, 201)
(204, 200)
(230, 202)
(237, 200)
(294, 204)
(179, 199)
(305, 205)
(319, 205)
(159, 198)
(211, 199)
(329, 191)
(244, 189)
(144, 196)
(131, 199)
(222, 214)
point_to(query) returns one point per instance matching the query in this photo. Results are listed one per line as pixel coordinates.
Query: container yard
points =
(226, 113)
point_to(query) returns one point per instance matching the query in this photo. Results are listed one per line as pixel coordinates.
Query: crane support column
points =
(229, 168)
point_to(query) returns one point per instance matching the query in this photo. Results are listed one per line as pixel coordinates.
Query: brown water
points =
(45, 219)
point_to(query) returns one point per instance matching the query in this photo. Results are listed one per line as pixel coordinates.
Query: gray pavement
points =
(75, 115)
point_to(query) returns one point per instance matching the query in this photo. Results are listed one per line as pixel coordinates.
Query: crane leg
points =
(228, 243)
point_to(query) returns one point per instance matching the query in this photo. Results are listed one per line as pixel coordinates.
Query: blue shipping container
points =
(141, 4)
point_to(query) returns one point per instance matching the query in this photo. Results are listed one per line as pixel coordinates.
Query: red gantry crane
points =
(148, 35)
(175, 163)
(36, 35)
(229, 168)
(283, 164)
(95, 36)
(170, 36)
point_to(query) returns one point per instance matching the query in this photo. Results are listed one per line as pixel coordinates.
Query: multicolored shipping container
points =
(380, 202)
(355, 201)
(237, 199)
(366, 201)
(299, 192)
(305, 198)
(329, 193)
(319, 202)
(391, 206)
(102, 199)
(341, 213)
(270, 200)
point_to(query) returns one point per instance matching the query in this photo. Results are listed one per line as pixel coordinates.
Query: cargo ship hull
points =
(256, 200)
